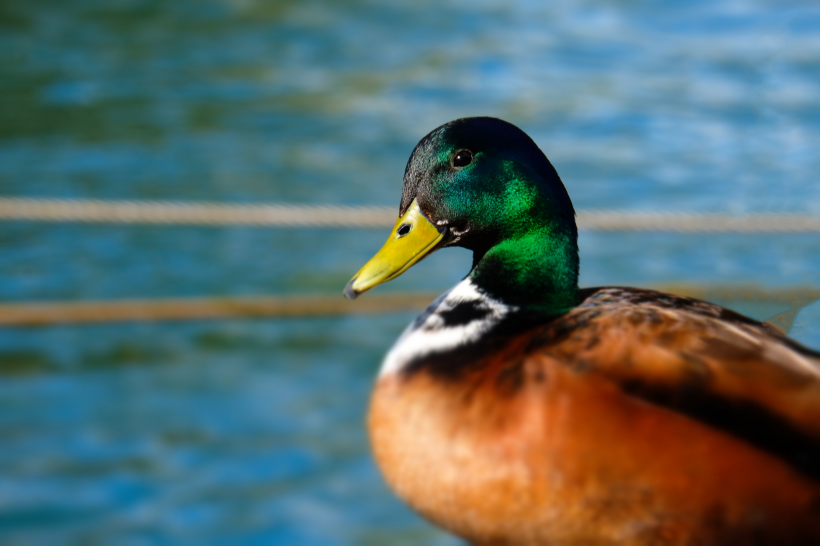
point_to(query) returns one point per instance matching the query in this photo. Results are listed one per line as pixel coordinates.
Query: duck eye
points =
(403, 230)
(463, 158)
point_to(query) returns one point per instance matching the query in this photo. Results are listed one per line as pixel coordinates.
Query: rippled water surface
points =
(251, 431)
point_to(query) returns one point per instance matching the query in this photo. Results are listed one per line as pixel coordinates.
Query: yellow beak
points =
(413, 237)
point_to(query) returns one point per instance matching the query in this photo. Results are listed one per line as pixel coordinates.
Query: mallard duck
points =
(520, 409)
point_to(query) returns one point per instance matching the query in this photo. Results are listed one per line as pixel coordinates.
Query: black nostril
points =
(403, 230)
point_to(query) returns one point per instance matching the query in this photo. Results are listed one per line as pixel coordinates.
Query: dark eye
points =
(403, 230)
(463, 158)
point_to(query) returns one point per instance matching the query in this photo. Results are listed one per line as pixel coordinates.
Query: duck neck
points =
(536, 270)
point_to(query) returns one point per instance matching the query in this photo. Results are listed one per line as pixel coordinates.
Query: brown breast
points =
(563, 438)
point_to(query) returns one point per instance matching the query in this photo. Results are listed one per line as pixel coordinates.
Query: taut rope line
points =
(222, 214)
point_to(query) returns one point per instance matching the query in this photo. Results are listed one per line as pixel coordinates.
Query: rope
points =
(158, 212)
(46, 313)
(690, 222)
(220, 214)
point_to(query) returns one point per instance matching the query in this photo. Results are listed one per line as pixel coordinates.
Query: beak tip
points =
(350, 293)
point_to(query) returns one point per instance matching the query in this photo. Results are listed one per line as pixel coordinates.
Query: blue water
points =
(251, 431)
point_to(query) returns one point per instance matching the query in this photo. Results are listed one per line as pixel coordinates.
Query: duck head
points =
(483, 184)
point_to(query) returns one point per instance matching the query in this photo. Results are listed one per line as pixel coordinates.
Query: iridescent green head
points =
(483, 184)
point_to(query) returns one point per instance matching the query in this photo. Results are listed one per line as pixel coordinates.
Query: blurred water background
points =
(250, 431)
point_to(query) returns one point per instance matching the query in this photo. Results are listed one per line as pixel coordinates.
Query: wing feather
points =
(716, 366)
